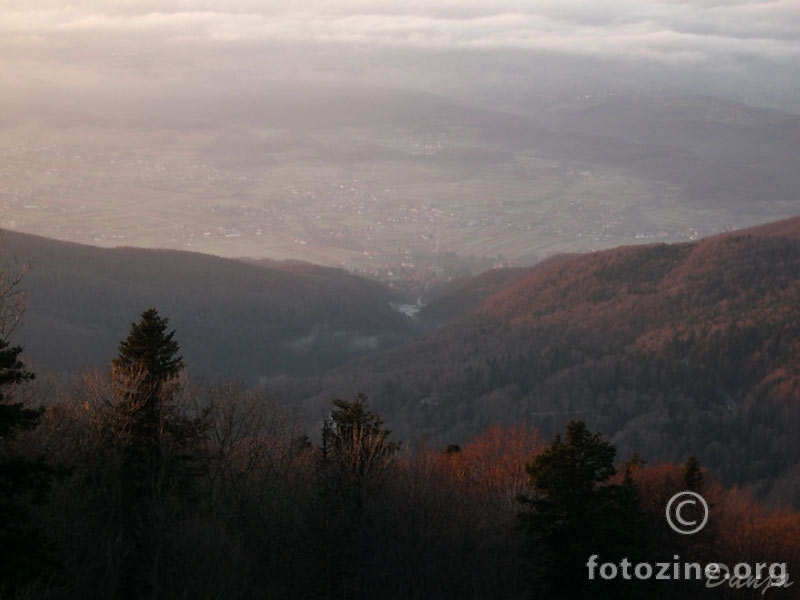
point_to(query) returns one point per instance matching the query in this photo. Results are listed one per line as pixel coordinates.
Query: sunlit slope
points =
(668, 348)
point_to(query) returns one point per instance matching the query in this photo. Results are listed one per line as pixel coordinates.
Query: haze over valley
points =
(241, 133)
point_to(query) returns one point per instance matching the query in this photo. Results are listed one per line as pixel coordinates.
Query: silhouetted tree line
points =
(137, 483)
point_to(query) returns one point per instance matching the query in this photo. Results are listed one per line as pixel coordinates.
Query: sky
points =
(746, 43)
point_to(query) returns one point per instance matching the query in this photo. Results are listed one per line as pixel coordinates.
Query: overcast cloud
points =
(663, 30)
(82, 41)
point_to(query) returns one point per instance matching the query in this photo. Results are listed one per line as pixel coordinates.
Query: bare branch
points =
(12, 296)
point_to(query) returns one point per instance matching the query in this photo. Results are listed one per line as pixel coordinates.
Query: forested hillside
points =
(667, 348)
(462, 296)
(664, 347)
(239, 320)
(654, 370)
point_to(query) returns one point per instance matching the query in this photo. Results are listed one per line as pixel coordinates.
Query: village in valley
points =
(419, 217)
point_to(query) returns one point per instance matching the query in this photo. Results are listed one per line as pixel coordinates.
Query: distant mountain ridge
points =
(233, 319)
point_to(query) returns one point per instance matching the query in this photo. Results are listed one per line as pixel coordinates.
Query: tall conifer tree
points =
(576, 513)
(23, 553)
(145, 376)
